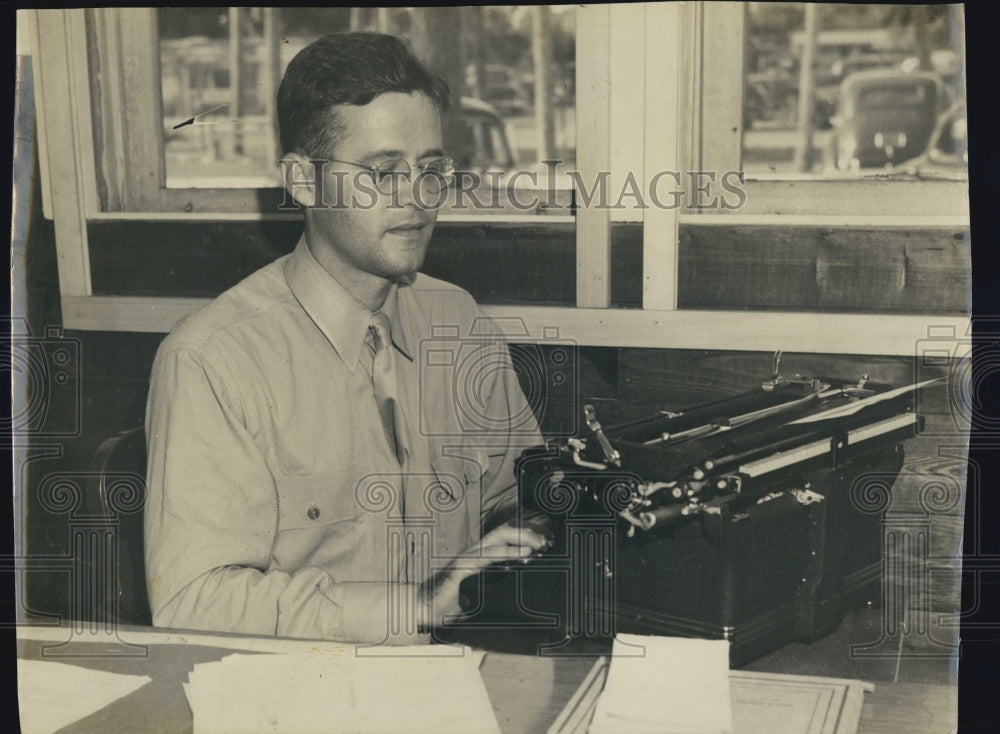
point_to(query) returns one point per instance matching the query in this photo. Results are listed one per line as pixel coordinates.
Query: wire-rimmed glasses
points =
(433, 176)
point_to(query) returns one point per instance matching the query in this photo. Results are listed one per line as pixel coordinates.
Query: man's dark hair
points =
(345, 69)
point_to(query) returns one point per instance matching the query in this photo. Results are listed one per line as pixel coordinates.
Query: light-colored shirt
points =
(275, 504)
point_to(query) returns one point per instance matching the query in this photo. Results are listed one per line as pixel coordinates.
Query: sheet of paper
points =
(762, 706)
(53, 695)
(798, 704)
(857, 405)
(312, 692)
(667, 685)
(762, 703)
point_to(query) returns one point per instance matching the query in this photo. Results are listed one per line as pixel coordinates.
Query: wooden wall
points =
(759, 267)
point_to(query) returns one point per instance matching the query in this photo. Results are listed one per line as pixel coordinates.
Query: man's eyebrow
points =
(384, 153)
(392, 153)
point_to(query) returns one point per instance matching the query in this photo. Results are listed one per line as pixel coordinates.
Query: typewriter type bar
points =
(679, 464)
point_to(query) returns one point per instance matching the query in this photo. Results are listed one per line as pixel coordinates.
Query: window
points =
(878, 80)
(660, 91)
(209, 137)
(220, 68)
(854, 236)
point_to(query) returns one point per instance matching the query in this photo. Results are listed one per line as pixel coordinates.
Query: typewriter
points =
(757, 518)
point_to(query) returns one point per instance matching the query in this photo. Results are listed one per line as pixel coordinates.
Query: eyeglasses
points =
(433, 176)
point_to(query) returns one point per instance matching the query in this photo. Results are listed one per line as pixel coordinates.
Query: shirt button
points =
(313, 512)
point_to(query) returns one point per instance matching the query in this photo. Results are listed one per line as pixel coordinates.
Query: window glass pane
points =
(885, 91)
(220, 69)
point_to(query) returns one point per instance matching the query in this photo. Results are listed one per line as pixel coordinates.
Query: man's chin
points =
(406, 270)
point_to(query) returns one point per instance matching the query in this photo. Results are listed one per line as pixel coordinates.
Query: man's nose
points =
(403, 187)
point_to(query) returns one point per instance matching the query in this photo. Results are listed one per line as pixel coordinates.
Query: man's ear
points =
(298, 176)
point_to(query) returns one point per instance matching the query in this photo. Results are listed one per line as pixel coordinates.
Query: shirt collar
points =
(339, 315)
(400, 333)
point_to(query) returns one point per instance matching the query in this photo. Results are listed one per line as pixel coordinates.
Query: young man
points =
(329, 438)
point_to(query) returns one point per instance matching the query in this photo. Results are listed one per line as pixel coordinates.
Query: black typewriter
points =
(757, 518)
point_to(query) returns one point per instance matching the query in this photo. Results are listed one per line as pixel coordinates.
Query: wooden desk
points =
(527, 692)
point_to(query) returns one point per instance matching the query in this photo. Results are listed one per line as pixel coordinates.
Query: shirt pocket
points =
(319, 524)
(316, 500)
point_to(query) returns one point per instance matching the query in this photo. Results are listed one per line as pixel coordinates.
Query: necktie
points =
(384, 380)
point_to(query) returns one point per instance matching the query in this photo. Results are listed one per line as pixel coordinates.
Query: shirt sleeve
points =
(210, 522)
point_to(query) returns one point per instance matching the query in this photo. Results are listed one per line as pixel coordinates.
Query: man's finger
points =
(533, 520)
(513, 535)
(494, 552)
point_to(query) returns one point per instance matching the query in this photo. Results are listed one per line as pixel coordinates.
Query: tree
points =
(434, 35)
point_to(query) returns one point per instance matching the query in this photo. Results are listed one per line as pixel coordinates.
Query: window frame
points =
(717, 132)
(667, 101)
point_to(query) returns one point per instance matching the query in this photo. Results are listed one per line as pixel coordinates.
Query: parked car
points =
(504, 90)
(885, 116)
(947, 152)
(485, 141)
(843, 67)
(486, 149)
(828, 81)
(772, 97)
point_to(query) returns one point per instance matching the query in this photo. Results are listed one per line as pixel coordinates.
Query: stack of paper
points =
(665, 685)
(411, 690)
(54, 695)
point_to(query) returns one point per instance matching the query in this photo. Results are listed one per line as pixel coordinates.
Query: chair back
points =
(119, 467)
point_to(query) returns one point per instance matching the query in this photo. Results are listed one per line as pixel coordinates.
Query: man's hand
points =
(438, 596)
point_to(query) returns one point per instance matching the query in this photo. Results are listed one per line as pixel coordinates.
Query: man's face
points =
(363, 236)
